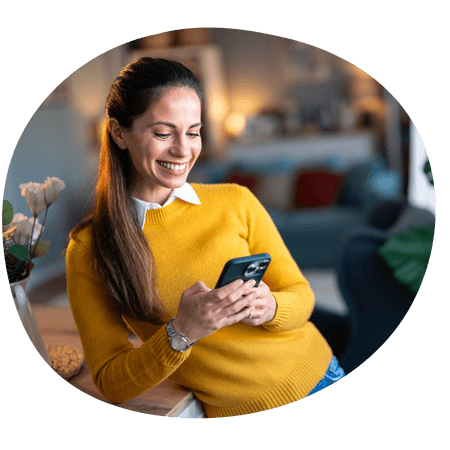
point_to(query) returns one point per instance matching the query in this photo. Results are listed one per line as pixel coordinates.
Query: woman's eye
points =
(167, 135)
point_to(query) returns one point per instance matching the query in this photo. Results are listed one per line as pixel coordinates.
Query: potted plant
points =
(22, 243)
(21, 235)
(407, 253)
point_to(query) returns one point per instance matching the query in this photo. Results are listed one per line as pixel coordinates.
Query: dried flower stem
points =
(40, 234)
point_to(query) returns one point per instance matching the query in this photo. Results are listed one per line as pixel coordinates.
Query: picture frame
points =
(300, 63)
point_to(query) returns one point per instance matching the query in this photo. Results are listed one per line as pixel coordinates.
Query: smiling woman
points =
(239, 348)
(114, 225)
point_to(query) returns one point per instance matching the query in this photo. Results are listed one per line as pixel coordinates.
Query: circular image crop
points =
(153, 169)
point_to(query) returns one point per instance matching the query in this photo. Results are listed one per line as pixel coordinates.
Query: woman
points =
(154, 246)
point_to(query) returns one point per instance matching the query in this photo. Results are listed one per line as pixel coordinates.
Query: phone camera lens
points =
(251, 270)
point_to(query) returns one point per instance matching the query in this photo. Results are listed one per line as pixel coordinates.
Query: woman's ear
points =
(117, 133)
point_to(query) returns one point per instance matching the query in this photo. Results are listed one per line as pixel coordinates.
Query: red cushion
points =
(317, 188)
(244, 179)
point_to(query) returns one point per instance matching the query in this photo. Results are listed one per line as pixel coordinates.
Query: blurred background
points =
(323, 145)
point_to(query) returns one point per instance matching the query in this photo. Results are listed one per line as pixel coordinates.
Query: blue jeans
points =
(333, 374)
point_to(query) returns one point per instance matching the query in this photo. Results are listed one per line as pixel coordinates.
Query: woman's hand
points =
(202, 311)
(265, 306)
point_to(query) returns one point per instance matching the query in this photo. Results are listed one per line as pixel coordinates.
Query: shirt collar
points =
(185, 193)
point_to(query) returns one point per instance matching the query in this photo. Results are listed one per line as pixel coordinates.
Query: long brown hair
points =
(121, 255)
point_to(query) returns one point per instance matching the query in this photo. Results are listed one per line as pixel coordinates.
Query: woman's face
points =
(164, 144)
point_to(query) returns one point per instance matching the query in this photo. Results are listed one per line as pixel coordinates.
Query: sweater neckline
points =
(153, 216)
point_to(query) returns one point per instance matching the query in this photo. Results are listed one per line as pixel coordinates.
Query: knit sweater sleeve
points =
(119, 370)
(292, 292)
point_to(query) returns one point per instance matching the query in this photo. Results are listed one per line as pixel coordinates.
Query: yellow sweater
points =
(239, 369)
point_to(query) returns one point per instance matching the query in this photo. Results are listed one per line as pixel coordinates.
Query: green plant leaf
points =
(408, 253)
(8, 213)
(19, 251)
(16, 259)
(14, 269)
(41, 249)
(427, 172)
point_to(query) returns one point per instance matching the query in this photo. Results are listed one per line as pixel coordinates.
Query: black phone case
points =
(236, 268)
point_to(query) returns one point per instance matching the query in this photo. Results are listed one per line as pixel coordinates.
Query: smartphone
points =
(244, 268)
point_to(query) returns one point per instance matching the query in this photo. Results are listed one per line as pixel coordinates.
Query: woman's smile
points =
(173, 167)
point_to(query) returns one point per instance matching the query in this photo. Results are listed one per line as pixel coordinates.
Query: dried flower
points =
(23, 229)
(39, 196)
(34, 195)
(18, 217)
(53, 186)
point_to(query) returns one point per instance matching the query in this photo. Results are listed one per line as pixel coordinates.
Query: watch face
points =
(178, 343)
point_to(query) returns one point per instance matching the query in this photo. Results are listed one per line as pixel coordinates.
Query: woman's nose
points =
(181, 147)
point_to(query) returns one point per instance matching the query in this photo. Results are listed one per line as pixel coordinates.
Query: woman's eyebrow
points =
(174, 126)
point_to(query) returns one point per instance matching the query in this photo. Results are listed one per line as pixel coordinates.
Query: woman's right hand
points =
(203, 310)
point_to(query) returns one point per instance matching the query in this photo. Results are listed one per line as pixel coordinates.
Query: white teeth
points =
(172, 166)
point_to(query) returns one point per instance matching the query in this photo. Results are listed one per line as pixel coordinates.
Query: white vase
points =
(27, 317)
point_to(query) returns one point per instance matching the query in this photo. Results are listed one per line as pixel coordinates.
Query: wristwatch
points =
(177, 342)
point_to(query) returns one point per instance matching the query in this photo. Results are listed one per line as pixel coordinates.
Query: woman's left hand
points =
(265, 306)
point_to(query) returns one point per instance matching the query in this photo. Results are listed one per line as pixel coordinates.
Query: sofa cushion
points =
(249, 180)
(317, 188)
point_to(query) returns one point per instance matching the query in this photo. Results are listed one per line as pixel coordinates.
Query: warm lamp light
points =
(235, 124)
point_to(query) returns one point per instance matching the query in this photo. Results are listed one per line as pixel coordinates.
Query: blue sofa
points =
(311, 233)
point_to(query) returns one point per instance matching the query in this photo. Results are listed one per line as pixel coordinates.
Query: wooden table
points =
(58, 328)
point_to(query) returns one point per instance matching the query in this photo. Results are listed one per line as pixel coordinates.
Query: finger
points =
(236, 306)
(249, 320)
(233, 291)
(255, 317)
(228, 288)
(262, 291)
(239, 316)
(197, 288)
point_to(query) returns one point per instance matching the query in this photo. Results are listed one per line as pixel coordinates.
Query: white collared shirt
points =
(185, 193)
